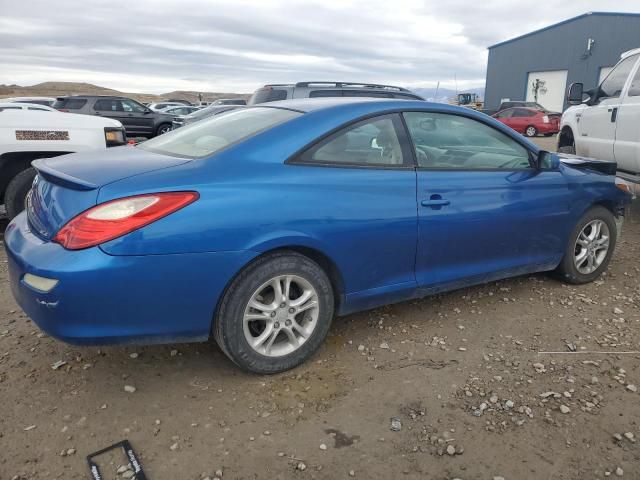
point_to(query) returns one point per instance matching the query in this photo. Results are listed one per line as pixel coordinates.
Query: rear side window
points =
(209, 136)
(108, 106)
(364, 93)
(325, 93)
(70, 103)
(265, 95)
(373, 142)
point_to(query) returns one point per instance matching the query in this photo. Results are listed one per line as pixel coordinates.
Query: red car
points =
(530, 121)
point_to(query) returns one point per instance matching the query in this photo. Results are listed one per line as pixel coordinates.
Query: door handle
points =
(435, 201)
(614, 114)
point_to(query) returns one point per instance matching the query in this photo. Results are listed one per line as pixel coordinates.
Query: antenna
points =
(435, 97)
(455, 80)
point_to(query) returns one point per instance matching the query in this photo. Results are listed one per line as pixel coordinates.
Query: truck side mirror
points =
(575, 93)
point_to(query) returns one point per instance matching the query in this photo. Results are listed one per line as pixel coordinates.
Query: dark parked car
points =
(272, 93)
(138, 120)
(203, 113)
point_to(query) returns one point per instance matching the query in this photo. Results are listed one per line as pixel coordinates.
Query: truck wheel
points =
(590, 247)
(530, 131)
(567, 149)
(16, 193)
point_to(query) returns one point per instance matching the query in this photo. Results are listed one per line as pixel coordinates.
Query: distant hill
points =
(57, 89)
(444, 94)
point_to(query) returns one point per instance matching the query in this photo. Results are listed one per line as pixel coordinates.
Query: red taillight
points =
(113, 219)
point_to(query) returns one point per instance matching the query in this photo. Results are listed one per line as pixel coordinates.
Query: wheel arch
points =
(313, 253)
(565, 137)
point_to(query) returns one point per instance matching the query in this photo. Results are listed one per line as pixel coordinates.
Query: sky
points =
(158, 46)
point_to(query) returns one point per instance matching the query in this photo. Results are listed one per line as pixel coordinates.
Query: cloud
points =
(238, 45)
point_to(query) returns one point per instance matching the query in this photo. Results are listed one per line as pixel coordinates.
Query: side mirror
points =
(547, 161)
(148, 111)
(575, 93)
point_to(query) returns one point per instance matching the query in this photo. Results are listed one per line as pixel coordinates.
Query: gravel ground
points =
(452, 386)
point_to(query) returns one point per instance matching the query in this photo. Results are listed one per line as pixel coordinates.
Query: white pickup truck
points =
(28, 135)
(604, 122)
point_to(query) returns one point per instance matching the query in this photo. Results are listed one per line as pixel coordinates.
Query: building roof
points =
(579, 17)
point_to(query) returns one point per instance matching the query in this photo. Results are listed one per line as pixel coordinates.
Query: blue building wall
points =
(560, 47)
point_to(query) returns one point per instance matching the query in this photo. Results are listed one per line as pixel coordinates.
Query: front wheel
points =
(16, 194)
(590, 247)
(275, 314)
(530, 131)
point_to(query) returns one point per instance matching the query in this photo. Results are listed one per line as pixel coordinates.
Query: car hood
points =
(584, 163)
(90, 170)
(28, 119)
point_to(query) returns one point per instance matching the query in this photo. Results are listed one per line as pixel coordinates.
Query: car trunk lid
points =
(69, 184)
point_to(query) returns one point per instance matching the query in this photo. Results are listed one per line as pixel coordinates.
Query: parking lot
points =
(523, 378)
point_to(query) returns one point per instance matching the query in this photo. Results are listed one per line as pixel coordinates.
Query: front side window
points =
(634, 89)
(211, 135)
(612, 86)
(455, 142)
(372, 142)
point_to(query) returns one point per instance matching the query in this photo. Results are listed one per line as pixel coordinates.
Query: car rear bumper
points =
(106, 299)
(548, 128)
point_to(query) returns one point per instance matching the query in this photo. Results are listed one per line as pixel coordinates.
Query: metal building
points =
(540, 65)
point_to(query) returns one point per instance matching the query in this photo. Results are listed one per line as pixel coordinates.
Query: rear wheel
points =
(275, 314)
(590, 247)
(530, 131)
(163, 128)
(17, 190)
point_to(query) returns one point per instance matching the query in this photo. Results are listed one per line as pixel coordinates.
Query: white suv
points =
(606, 124)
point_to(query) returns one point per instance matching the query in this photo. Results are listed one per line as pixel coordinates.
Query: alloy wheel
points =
(592, 246)
(281, 315)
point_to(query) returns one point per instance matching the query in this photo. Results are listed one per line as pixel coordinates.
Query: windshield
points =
(209, 136)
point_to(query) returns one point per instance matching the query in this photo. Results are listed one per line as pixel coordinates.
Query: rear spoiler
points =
(55, 176)
(603, 166)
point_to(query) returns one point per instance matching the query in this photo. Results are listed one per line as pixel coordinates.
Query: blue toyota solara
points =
(258, 226)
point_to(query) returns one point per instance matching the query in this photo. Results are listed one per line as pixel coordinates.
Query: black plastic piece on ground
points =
(129, 453)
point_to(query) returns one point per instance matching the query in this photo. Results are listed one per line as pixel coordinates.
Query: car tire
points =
(235, 324)
(163, 128)
(17, 190)
(569, 269)
(530, 131)
(570, 149)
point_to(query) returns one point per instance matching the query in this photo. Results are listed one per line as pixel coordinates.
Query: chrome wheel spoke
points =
(300, 329)
(306, 295)
(311, 303)
(591, 247)
(264, 336)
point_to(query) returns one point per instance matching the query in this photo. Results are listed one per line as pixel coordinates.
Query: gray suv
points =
(274, 92)
(138, 120)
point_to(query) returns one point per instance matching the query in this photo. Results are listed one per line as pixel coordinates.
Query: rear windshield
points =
(264, 95)
(212, 135)
(70, 103)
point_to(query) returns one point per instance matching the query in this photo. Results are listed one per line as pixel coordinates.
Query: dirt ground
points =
(463, 377)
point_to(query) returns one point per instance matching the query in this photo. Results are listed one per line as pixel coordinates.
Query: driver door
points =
(484, 212)
(139, 119)
(597, 123)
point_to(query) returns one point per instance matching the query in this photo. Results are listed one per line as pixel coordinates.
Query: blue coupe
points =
(256, 227)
